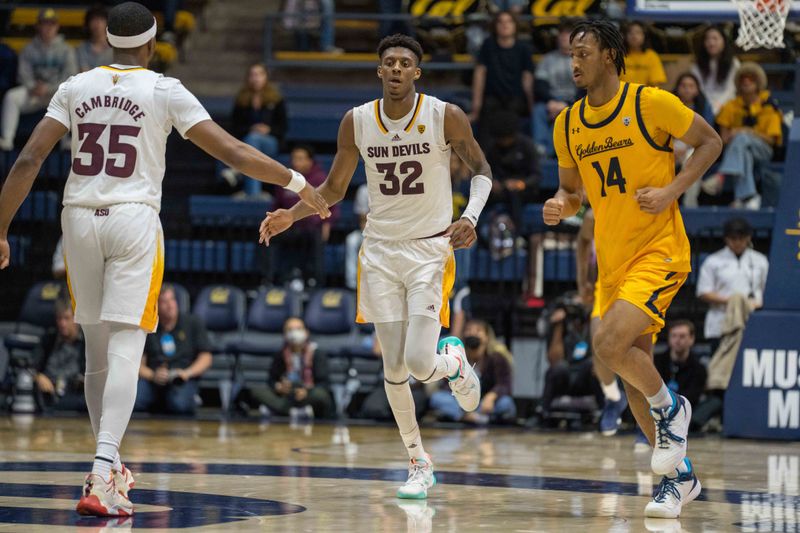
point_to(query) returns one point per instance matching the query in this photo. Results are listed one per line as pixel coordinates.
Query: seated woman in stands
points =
(259, 119)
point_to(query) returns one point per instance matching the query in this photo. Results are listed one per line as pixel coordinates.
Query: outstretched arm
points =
(20, 179)
(458, 133)
(218, 143)
(332, 190)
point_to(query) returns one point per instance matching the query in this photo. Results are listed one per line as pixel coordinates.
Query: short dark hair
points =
(682, 322)
(128, 19)
(737, 227)
(398, 40)
(608, 36)
(96, 11)
(306, 148)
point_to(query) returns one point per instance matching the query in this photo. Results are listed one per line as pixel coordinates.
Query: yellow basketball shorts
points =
(648, 288)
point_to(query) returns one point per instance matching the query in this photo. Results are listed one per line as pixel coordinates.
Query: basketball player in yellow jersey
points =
(615, 145)
(406, 265)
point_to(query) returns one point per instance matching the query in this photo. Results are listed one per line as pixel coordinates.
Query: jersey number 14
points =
(612, 177)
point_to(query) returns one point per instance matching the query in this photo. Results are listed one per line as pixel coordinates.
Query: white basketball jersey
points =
(407, 163)
(120, 118)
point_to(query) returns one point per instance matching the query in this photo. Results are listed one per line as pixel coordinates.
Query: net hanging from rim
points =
(761, 23)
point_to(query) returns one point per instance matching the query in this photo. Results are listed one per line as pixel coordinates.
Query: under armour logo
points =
(431, 308)
(576, 130)
(396, 137)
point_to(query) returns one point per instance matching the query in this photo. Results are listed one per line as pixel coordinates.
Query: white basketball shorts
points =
(397, 279)
(115, 263)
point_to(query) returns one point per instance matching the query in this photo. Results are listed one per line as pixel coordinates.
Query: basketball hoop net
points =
(761, 23)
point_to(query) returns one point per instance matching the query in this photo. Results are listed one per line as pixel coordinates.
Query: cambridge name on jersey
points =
(619, 148)
(120, 118)
(407, 163)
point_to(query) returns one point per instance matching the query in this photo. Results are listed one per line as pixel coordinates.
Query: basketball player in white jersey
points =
(406, 265)
(120, 116)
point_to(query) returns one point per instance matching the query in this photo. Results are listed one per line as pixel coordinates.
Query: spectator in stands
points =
(301, 249)
(259, 119)
(493, 363)
(642, 64)
(715, 66)
(59, 380)
(554, 89)
(43, 64)
(298, 378)
(750, 126)
(305, 16)
(175, 357)
(687, 88)
(515, 166)
(356, 237)
(95, 51)
(389, 27)
(503, 77)
(570, 356)
(736, 269)
(680, 369)
(8, 69)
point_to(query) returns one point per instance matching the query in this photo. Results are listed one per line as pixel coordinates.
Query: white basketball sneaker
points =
(672, 427)
(466, 386)
(673, 493)
(101, 498)
(420, 479)
(123, 480)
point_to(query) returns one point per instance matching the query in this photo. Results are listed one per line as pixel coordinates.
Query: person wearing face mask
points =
(493, 363)
(298, 378)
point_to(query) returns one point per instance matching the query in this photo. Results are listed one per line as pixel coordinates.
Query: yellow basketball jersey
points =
(619, 148)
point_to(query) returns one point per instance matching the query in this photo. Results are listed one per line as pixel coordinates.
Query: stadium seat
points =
(330, 316)
(509, 269)
(222, 310)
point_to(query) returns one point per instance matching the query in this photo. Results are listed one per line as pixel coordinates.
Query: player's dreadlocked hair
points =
(402, 41)
(608, 36)
(129, 18)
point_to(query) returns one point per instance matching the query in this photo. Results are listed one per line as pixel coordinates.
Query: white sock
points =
(107, 447)
(611, 391)
(662, 399)
(402, 403)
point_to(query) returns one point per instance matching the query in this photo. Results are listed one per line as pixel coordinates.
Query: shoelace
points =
(667, 487)
(417, 475)
(664, 434)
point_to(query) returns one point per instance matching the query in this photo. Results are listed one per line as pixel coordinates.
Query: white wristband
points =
(479, 190)
(297, 183)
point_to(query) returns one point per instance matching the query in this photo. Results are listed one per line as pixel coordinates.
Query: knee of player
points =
(419, 367)
(606, 345)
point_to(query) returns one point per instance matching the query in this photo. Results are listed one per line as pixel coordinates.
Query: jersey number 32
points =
(392, 186)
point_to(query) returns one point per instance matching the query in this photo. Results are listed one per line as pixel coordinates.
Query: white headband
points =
(132, 41)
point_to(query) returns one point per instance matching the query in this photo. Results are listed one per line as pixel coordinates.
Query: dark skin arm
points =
(458, 133)
(20, 180)
(332, 190)
(218, 143)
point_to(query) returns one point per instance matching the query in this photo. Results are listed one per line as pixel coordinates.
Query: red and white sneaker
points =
(123, 480)
(101, 498)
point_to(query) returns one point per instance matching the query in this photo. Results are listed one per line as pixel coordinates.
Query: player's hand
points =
(551, 213)
(276, 222)
(5, 254)
(161, 376)
(461, 233)
(44, 384)
(314, 199)
(654, 200)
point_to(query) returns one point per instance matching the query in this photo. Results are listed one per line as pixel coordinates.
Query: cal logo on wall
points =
(445, 8)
